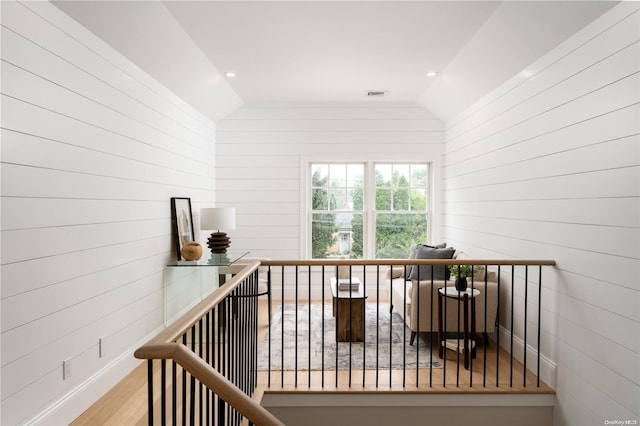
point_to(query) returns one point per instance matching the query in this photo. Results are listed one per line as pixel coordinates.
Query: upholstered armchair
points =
(417, 301)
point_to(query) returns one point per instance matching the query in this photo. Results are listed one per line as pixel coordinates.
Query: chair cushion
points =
(397, 291)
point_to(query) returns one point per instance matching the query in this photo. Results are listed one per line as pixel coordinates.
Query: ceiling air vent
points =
(376, 93)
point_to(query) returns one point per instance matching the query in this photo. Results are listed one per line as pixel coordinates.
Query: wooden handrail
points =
(173, 332)
(213, 380)
(177, 329)
(165, 345)
(387, 262)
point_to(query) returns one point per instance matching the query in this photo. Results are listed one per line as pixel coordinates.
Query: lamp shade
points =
(218, 218)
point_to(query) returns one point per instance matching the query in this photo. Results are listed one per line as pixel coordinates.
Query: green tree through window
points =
(401, 208)
(323, 226)
(357, 225)
(398, 210)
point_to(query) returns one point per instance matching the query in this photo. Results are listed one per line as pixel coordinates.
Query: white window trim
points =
(433, 228)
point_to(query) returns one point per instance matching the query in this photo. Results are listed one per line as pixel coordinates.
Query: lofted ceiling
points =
(333, 51)
(330, 51)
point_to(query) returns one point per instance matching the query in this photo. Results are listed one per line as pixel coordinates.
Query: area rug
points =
(317, 353)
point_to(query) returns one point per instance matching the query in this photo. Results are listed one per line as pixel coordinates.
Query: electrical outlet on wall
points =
(66, 369)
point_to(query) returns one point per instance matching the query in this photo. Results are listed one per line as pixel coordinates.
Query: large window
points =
(336, 203)
(363, 210)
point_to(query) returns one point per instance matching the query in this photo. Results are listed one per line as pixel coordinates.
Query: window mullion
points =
(369, 237)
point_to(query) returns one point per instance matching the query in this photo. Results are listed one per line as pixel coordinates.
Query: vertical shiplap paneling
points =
(549, 167)
(92, 151)
(260, 149)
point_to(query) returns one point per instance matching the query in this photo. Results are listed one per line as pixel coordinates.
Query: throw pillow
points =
(479, 273)
(412, 255)
(440, 272)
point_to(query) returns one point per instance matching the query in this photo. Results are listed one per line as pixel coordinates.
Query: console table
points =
(188, 282)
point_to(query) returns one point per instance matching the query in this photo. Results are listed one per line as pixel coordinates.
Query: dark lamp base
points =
(218, 242)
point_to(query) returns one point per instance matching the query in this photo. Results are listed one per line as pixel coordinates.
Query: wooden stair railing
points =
(166, 346)
(306, 279)
(208, 376)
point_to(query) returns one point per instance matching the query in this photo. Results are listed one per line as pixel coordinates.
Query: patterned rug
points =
(318, 350)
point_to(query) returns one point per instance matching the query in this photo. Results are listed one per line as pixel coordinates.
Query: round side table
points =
(467, 297)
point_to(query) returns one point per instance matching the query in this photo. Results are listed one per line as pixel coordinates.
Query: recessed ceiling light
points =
(230, 74)
(432, 74)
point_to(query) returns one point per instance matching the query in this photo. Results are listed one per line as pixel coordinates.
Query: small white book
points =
(348, 284)
(354, 289)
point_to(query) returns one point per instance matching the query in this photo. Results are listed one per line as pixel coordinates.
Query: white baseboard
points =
(547, 366)
(67, 408)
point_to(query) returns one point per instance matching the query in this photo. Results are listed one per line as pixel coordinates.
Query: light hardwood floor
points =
(126, 403)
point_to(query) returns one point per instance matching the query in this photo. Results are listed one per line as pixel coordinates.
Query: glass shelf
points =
(214, 259)
(187, 282)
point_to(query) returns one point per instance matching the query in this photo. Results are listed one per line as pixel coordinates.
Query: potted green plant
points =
(461, 272)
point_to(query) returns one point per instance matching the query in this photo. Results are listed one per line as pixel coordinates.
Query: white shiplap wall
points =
(548, 166)
(92, 151)
(260, 151)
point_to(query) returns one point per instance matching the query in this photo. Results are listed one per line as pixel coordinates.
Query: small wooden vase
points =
(191, 251)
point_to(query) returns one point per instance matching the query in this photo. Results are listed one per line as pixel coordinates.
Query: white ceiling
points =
(330, 51)
(333, 51)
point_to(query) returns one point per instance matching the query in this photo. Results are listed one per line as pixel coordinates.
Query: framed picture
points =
(182, 222)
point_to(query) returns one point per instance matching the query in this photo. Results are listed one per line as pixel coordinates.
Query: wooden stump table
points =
(349, 311)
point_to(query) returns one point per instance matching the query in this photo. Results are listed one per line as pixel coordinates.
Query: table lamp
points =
(218, 218)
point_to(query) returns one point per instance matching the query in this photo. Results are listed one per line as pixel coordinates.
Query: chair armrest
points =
(395, 272)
